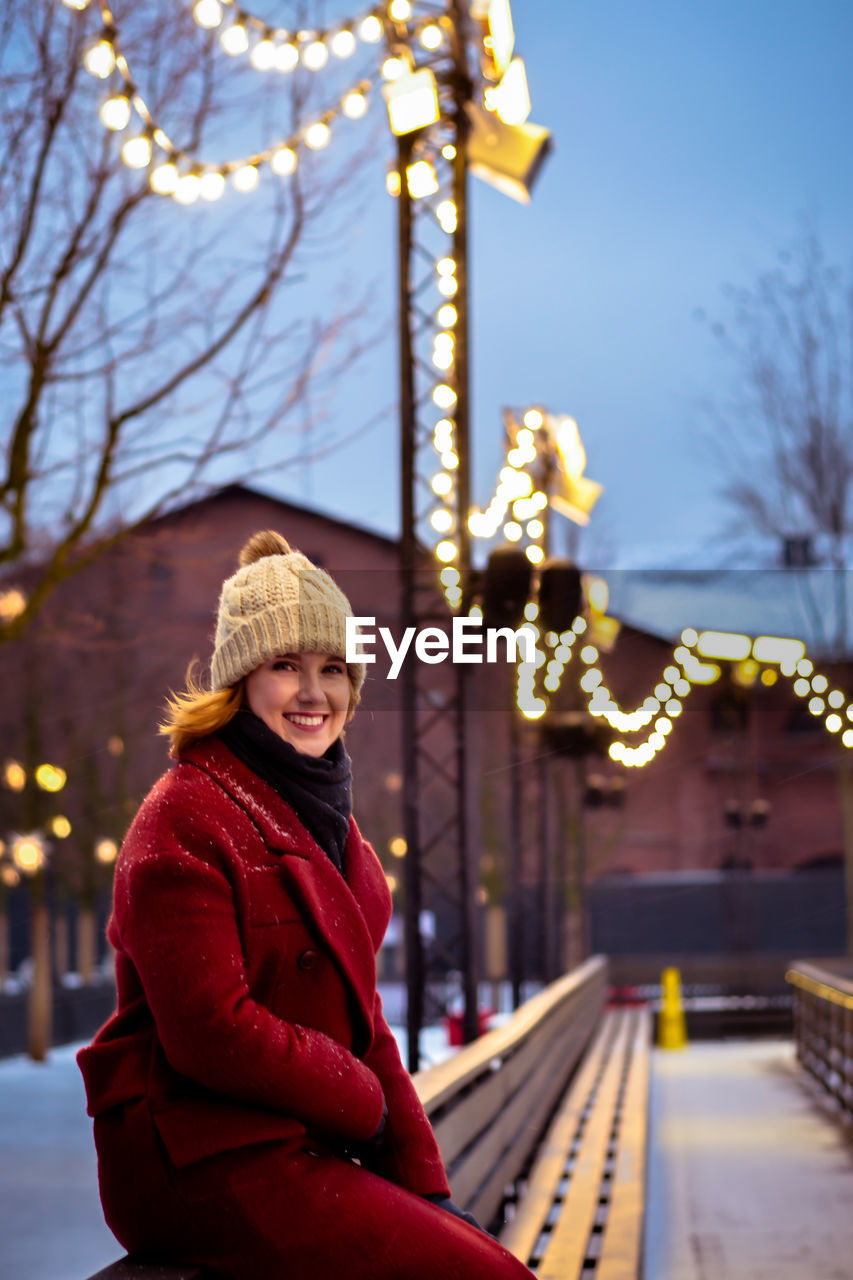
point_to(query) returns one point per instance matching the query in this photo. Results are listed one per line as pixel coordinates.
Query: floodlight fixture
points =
(496, 17)
(511, 98)
(507, 156)
(412, 101)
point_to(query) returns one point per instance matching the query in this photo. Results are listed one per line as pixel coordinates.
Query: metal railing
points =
(823, 1028)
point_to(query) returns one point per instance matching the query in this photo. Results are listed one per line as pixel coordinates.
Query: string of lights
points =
(172, 171)
(763, 659)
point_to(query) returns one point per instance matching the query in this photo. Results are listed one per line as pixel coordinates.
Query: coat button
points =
(307, 960)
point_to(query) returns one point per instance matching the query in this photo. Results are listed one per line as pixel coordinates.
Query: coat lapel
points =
(330, 903)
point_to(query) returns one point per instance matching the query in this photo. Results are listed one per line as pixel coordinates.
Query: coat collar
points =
(349, 914)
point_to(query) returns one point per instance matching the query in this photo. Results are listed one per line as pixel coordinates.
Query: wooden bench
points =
(581, 1207)
(542, 1120)
(491, 1103)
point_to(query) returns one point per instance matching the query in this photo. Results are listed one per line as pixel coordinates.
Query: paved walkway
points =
(749, 1179)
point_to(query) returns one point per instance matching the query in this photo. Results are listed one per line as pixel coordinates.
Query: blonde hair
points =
(198, 712)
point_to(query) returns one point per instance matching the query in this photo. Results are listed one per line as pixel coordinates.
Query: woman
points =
(251, 1110)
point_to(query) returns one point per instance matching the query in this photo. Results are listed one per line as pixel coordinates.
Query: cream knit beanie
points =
(277, 602)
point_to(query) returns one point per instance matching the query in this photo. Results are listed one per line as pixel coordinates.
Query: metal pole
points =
(467, 855)
(415, 975)
(516, 914)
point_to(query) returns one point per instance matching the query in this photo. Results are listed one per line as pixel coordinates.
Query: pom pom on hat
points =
(278, 602)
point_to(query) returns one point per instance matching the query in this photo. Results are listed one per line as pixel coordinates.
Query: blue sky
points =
(689, 141)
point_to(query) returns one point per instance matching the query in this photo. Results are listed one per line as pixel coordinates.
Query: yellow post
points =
(672, 1029)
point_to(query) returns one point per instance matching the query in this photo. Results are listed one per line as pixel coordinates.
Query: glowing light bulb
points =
(343, 43)
(136, 152)
(446, 266)
(431, 36)
(262, 56)
(512, 531)
(399, 10)
(444, 396)
(211, 185)
(393, 68)
(370, 29)
(100, 59)
(245, 178)
(317, 135)
(421, 179)
(534, 553)
(283, 161)
(446, 550)
(533, 419)
(447, 286)
(354, 105)
(164, 179)
(446, 315)
(106, 851)
(442, 484)
(315, 55)
(393, 185)
(442, 520)
(447, 216)
(207, 13)
(286, 57)
(115, 113)
(235, 39)
(187, 189)
(535, 529)
(78, 5)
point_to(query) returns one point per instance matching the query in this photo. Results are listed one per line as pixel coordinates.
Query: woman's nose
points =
(309, 686)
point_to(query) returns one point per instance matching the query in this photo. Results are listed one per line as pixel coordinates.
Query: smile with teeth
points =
(305, 721)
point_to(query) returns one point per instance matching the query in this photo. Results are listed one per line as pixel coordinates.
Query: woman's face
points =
(303, 697)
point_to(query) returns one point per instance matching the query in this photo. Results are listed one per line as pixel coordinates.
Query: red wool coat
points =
(247, 1003)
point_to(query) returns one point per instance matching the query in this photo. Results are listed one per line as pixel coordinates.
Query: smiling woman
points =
(248, 1076)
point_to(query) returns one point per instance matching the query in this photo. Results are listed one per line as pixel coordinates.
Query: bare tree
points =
(786, 442)
(147, 350)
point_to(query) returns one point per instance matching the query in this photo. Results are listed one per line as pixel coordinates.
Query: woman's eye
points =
(282, 664)
(335, 668)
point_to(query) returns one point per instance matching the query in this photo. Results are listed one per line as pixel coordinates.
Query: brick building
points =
(86, 688)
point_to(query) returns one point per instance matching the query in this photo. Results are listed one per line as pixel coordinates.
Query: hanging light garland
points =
(172, 171)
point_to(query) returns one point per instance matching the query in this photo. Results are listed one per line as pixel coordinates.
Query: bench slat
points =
(566, 1249)
(506, 1153)
(521, 1234)
(472, 1114)
(623, 1233)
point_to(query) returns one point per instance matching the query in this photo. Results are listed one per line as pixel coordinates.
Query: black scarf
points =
(318, 788)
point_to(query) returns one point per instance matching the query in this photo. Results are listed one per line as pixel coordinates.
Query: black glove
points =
(449, 1206)
(374, 1143)
(363, 1151)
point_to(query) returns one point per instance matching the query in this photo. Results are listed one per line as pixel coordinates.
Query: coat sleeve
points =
(175, 919)
(409, 1155)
